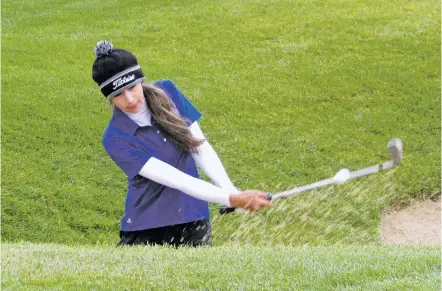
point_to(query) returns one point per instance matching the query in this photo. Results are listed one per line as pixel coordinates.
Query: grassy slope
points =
(54, 267)
(291, 92)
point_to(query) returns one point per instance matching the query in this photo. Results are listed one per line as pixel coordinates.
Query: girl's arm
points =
(167, 175)
(208, 161)
(163, 173)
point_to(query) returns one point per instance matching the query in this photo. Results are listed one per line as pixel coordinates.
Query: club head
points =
(394, 147)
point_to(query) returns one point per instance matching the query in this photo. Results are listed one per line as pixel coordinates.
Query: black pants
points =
(196, 233)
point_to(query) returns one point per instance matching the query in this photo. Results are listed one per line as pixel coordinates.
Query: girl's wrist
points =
(234, 199)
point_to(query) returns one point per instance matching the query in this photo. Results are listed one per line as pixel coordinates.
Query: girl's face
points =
(130, 100)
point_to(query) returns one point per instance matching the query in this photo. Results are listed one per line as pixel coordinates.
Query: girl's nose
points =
(127, 95)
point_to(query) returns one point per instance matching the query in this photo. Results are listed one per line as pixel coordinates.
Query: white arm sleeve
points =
(169, 176)
(208, 161)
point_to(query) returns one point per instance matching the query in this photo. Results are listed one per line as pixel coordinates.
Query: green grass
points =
(55, 267)
(290, 91)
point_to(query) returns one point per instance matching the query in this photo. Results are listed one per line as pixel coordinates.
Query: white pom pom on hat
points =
(103, 48)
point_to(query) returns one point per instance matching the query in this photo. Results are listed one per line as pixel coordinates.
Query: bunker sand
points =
(417, 224)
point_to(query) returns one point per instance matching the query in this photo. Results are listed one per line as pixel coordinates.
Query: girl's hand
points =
(251, 200)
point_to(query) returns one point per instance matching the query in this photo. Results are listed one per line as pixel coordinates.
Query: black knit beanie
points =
(115, 69)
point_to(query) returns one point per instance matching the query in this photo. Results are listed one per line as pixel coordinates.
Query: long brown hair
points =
(167, 118)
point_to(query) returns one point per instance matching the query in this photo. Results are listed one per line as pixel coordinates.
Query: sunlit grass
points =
(55, 267)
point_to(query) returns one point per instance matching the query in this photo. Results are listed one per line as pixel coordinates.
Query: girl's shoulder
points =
(164, 84)
(183, 105)
(171, 90)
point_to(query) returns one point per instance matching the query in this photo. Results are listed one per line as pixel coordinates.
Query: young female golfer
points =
(154, 137)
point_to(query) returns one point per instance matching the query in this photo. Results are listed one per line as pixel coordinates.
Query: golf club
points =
(394, 148)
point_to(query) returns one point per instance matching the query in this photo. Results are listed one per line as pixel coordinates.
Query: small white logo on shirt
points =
(129, 221)
(120, 81)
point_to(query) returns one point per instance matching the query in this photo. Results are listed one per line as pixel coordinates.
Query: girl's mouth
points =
(133, 107)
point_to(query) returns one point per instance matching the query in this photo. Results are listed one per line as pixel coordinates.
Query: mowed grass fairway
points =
(290, 92)
(44, 267)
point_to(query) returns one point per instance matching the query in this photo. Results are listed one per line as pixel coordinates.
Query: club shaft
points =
(303, 188)
(325, 182)
(355, 174)
(372, 169)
